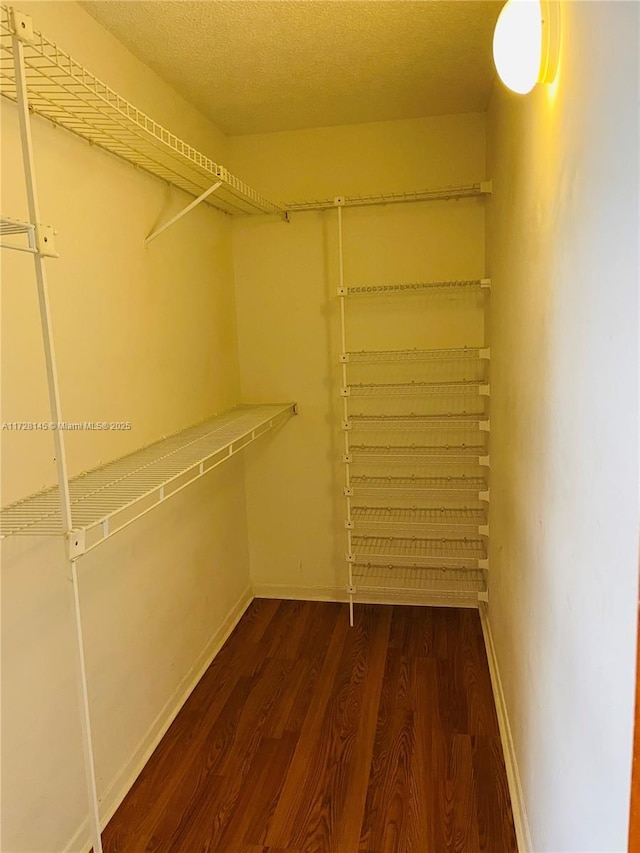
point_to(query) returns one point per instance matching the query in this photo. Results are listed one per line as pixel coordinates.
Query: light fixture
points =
(526, 42)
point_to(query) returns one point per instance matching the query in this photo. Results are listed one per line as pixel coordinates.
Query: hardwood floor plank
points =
(306, 774)
(252, 848)
(398, 783)
(359, 758)
(260, 799)
(424, 687)
(452, 696)
(212, 783)
(290, 714)
(291, 624)
(224, 817)
(162, 774)
(456, 792)
(319, 814)
(307, 736)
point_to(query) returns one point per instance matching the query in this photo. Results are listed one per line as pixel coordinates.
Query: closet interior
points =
(291, 377)
(414, 417)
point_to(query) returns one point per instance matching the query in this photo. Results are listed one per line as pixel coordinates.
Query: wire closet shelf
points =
(475, 285)
(414, 388)
(63, 91)
(459, 586)
(416, 551)
(419, 518)
(109, 498)
(413, 453)
(381, 356)
(12, 230)
(476, 190)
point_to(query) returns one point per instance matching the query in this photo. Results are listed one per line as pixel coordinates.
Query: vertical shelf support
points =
(85, 716)
(339, 203)
(23, 32)
(41, 279)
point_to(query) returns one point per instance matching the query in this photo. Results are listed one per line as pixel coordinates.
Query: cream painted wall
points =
(288, 321)
(562, 252)
(121, 311)
(146, 335)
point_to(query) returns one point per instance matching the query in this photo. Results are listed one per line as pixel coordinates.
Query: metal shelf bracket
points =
(184, 211)
(22, 26)
(75, 544)
(45, 241)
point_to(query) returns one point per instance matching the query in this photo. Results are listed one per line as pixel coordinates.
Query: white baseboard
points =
(339, 593)
(523, 835)
(123, 782)
(300, 593)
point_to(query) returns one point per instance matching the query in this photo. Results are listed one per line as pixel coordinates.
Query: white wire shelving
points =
(43, 80)
(40, 239)
(415, 388)
(450, 420)
(416, 453)
(478, 285)
(63, 91)
(455, 587)
(408, 486)
(442, 194)
(14, 229)
(461, 519)
(109, 498)
(378, 356)
(417, 551)
(415, 425)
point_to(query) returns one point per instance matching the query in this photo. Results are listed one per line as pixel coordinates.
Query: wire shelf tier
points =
(63, 91)
(377, 356)
(109, 498)
(413, 388)
(414, 453)
(417, 421)
(441, 194)
(467, 285)
(419, 518)
(362, 484)
(417, 551)
(15, 228)
(445, 583)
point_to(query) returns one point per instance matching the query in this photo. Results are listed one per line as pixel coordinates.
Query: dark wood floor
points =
(307, 736)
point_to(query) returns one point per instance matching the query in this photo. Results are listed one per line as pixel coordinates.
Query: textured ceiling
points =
(256, 66)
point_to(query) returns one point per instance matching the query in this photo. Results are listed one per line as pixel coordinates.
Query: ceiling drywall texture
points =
(257, 66)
